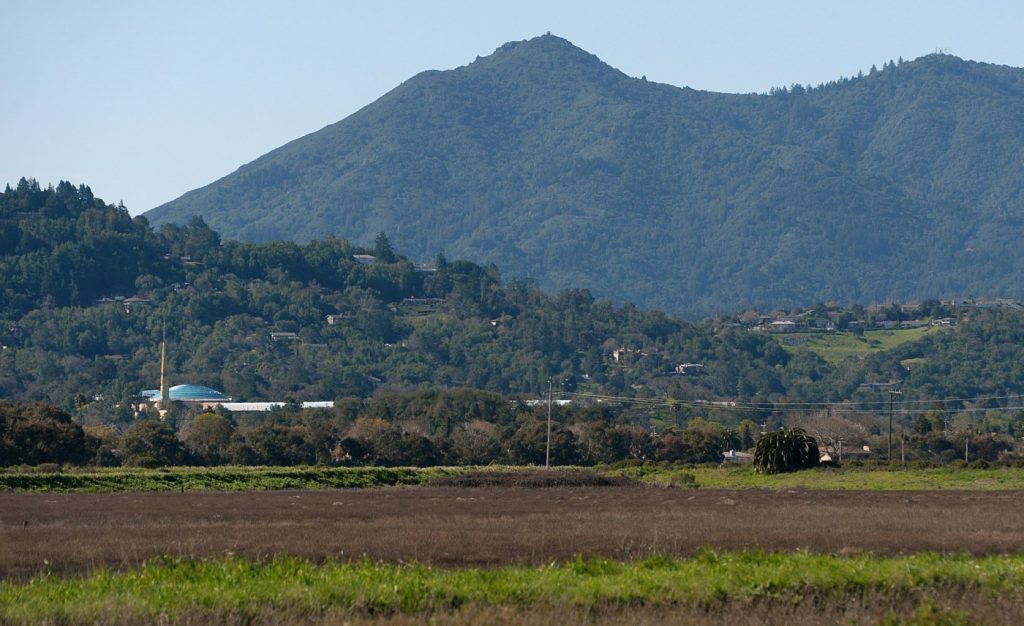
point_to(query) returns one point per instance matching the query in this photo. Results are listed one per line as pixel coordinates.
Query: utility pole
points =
(892, 394)
(547, 450)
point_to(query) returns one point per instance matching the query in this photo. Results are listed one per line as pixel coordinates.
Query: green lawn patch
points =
(872, 478)
(839, 346)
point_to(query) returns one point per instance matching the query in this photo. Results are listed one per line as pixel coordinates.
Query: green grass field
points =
(837, 347)
(221, 478)
(871, 478)
(167, 589)
(740, 477)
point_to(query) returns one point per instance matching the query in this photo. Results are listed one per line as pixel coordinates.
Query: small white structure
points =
(689, 368)
(736, 456)
(269, 406)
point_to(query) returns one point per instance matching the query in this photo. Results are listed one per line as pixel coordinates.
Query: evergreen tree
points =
(382, 249)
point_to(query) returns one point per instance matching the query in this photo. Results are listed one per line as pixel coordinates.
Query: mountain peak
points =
(543, 43)
(546, 45)
(940, 60)
(546, 52)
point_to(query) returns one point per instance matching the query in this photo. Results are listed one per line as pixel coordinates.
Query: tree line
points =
(463, 428)
(469, 427)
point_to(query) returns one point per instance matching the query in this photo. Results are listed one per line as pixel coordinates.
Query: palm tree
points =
(785, 451)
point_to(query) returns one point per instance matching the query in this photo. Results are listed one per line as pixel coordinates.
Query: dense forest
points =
(445, 363)
(899, 184)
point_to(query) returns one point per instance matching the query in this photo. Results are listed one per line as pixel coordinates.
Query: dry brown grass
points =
(453, 526)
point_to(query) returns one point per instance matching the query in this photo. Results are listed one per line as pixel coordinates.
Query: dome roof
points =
(189, 393)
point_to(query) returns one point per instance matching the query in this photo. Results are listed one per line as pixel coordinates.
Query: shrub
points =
(627, 463)
(683, 479)
(151, 439)
(785, 451)
(145, 462)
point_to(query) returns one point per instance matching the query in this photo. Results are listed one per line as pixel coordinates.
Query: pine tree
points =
(382, 249)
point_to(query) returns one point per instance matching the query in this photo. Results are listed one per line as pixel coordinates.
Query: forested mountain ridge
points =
(900, 184)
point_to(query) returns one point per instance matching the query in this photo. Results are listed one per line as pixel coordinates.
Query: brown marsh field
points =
(525, 543)
(453, 527)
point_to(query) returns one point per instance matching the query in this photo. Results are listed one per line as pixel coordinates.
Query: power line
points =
(754, 405)
(841, 408)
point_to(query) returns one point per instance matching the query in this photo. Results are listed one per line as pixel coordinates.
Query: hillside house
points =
(622, 354)
(689, 369)
(338, 317)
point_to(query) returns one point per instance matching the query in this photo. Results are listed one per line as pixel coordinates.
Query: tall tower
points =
(165, 399)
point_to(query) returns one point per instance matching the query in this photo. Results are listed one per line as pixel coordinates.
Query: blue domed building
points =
(196, 394)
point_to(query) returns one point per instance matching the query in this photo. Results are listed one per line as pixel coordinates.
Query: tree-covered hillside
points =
(88, 293)
(314, 321)
(900, 184)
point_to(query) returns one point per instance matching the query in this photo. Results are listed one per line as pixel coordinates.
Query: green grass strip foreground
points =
(172, 588)
(872, 478)
(237, 478)
(222, 478)
(880, 479)
(875, 478)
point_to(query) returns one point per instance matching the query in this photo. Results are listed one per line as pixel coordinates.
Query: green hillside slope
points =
(540, 158)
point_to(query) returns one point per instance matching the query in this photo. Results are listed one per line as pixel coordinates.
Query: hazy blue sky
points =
(145, 100)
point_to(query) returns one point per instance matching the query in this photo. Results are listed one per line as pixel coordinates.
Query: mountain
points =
(901, 184)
